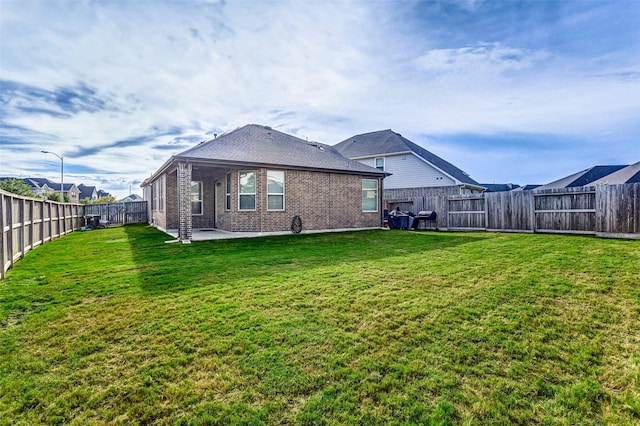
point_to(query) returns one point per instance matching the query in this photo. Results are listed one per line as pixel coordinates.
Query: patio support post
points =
(184, 200)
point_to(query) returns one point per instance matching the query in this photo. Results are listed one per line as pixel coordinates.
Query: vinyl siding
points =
(409, 171)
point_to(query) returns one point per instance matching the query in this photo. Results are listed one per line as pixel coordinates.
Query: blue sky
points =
(508, 91)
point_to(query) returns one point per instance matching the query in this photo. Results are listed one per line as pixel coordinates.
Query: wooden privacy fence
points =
(122, 213)
(28, 222)
(604, 211)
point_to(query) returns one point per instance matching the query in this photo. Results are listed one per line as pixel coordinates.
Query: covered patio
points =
(206, 234)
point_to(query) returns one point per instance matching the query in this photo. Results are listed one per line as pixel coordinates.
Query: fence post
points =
(3, 239)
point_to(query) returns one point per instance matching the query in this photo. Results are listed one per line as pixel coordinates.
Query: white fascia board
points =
(388, 154)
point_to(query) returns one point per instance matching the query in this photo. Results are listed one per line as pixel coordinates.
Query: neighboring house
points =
(416, 174)
(499, 187)
(42, 186)
(586, 177)
(88, 192)
(102, 194)
(257, 179)
(38, 189)
(132, 198)
(528, 187)
(410, 165)
(629, 174)
(72, 192)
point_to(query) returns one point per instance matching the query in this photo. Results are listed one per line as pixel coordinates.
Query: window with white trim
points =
(196, 198)
(275, 190)
(369, 195)
(227, 202)
(380, 163)
(247, 190)
(161, 185)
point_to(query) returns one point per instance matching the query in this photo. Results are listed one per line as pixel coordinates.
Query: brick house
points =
(256, 179)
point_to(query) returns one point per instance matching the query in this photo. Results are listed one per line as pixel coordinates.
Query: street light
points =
(61, 173)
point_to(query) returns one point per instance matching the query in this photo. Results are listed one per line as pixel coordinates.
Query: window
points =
(227, 203)
(275, 190)
(380, 163)
(247, 190)
(196, 198)
(160, 192)
(369, 195)
(154, 196)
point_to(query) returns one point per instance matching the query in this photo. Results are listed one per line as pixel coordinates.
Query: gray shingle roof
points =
(629, 174)
(584, 177)
(389, 142)
(86, 191)
(262, 145)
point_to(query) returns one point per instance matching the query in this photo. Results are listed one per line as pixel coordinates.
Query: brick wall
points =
(171, 204)
(210, 179)
(322, 200)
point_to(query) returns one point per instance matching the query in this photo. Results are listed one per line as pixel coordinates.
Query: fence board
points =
(606, 210)
(25, 223)
(618, 211)
(120, 213)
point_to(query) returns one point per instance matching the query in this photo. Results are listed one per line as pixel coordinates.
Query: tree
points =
(16, 186)
(55, 196)
(105, 200)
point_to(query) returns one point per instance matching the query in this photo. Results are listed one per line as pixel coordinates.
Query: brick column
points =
(184, 202)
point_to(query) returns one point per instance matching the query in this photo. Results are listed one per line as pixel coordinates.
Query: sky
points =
(518, 92)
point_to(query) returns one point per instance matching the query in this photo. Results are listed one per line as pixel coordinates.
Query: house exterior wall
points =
(409, 171)
(322, 200)
(74, 194)
(209, 178)
(156, 196)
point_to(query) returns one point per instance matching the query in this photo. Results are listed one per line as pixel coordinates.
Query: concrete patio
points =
(218, 234)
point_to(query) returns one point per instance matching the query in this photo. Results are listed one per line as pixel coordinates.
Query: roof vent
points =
(267, 127)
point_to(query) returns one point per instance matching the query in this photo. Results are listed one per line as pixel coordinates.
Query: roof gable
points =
(589, 176)
(262, 145)
(389, 142)
(629, 174)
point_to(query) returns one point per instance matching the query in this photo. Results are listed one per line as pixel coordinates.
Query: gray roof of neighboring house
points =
(527, 187)
(389, 142)
(53, 185)
(132, 198)
(499, 187)
(629, 174)
(584, 177)
(262, 145)
(86, 191)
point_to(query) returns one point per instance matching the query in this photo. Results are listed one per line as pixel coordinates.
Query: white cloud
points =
(485, 58)
(326, 70)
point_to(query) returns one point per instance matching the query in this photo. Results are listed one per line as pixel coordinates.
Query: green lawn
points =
(378, 327)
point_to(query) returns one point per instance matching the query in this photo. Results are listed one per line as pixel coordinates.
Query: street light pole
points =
(61, 173)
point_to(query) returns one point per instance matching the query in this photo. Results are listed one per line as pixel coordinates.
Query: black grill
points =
(427, 216)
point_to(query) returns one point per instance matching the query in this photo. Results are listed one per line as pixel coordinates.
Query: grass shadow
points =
(174, 267)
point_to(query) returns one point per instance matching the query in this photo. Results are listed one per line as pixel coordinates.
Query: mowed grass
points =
(379, 327)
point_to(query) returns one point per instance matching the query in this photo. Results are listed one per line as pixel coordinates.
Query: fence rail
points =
(605, 210)
(122, 213)
(26, 223)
